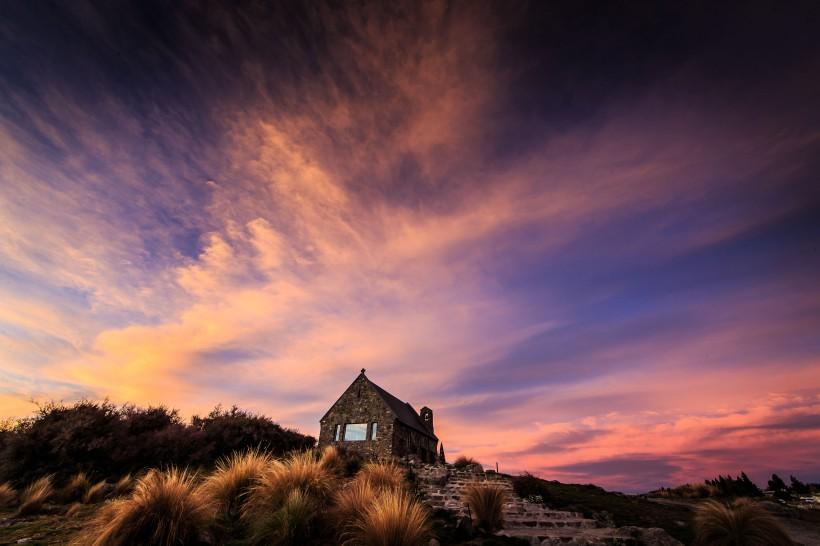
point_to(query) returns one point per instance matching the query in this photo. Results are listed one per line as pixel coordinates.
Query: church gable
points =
(370, 420)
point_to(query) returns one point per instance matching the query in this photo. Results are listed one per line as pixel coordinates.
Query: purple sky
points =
(586, 236)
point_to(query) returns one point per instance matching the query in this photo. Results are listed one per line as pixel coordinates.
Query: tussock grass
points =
(270, 503)
(74, 490)
(294, 519)
(35, 495)
(350, 503)
(333, 461)
(165, 509)
(123, 486)
(74, 509)
(486, 504)
(8, 496)
(463, 461)
(233, 478)
(97, 492)
(743, 523)
(394, 518)
(382, 475)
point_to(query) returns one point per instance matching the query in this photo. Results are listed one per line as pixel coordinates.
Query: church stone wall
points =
(360, 404)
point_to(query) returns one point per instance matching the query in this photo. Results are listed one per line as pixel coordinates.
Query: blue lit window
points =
(374, 429)
(337, 433)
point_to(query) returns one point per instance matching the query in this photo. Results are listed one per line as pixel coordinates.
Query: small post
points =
(496, 467)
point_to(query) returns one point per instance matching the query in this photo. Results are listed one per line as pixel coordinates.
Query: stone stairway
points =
(443, 486)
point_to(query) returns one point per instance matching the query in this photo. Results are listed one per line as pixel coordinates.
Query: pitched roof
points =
(404, 411)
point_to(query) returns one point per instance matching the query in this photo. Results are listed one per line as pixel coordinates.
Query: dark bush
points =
(529, 487)
(108, 441)
(741, 486)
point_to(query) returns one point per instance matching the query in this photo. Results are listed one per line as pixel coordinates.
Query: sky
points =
(587, 235)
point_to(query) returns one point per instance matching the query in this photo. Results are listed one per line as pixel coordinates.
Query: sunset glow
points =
(588, 241)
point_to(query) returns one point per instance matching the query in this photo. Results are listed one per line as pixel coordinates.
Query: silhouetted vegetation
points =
(741, 486)
(108, 441)
(463, 461)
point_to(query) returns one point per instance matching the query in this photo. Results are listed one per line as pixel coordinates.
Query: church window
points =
(355, 432)
(374, 429)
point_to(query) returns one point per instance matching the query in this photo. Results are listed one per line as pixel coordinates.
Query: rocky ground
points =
(442, 488)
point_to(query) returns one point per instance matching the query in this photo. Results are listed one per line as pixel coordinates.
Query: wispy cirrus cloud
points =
(234, 213)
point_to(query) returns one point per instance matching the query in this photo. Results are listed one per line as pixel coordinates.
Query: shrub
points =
(233, 430)
(35, 495)
(8, 496)
(114, 440)
(486, 504)
(97, 492)
(382, 475)
(531, 488)
(393, 519)
(463, 461)
(273, 489)
(741, 486)
(744, 523)
(165, 509)
(75, 488)
(232, 479)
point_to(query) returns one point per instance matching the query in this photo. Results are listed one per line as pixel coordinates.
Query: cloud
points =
(236, 214)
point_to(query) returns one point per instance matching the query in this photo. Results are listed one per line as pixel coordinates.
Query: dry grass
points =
(294, 519)
(8, 496)
(486, 504)
(382, 475)
(333, 461)
(74, 509)
(274, 489)
(233, 478)
(35, 495)
(75, 488)
(123, 486)
(394, 518)
(96, 493)
(743, 523)
(689, 491)
(165, 509)
(463, 461)
(351, 502)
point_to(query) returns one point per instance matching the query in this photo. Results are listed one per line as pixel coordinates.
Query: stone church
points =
(370, 420)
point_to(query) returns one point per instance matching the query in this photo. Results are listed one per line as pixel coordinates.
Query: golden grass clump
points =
(382, 475)
(486, 504)
(8, 496)
(272, 494)
(35, 495)
(164, 509)
(332, 460)
(123, 486)
(74, 509)
(351, 502)
(293, 520)
(96, 493)
(233, 478)
(75, 488)
(743, 523)
(394, 518)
